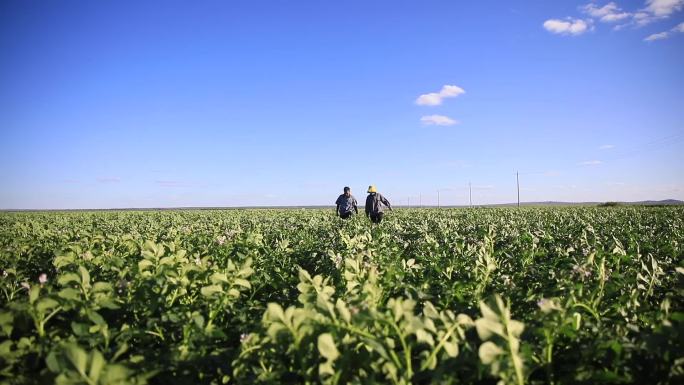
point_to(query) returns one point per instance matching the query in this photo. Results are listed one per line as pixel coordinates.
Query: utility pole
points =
(517, 181)
(437, 198)
(408, 201)
(420, 200)
(470, 189)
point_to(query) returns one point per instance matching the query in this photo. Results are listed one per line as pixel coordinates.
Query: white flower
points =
(42, 279)
(243, 338)
(25, 285)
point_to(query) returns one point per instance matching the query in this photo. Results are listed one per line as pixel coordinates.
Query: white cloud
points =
(679, 28)
(594, 11)
(657, 36)
(590, 163)
(435, 98)
(655, 10)
(606, 146)
(652, 11)
(109, 179)
(664, 8)
(609, 13)
(170, 183)
(613, 17)
(566, 27)
(438, 120)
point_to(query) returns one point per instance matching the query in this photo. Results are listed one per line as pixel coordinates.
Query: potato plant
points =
(579, 295)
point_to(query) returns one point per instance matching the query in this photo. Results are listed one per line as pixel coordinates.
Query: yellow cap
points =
(371, 189)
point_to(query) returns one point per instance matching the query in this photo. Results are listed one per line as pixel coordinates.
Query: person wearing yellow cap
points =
(374, 205)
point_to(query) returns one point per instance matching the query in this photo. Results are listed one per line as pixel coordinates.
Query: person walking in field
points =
(374, 205)
(345, 204)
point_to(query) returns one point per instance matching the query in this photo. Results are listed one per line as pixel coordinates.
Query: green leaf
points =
(516, 327)
(115, 373)
(34, 292)
(96, 318)
(85, 276)
(102, 286)
(488, 352)
(96, 364)
(69, 294)
(210, 290)
(242, 282)
(343, 311)
(327, 348)
(485, 327)
(219, 278)
(430, 311)
(145, 264)
(451, 348)
(275, 329)
(52, 362)
(275, 312)
(45, 304)
(67, 278)
(326, 369)
(6, 322)
(423, 336)
(78, 357)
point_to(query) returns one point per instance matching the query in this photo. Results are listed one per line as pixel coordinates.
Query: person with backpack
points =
(345, 204)
(374, 205)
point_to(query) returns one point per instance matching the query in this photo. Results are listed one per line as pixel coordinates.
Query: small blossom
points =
(4, 273)
(243, 338)
(198, 261)
(221, 240)
(42, 279)
(546, 305)
(25, 285)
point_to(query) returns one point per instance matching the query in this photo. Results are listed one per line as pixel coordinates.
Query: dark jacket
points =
(374, 203)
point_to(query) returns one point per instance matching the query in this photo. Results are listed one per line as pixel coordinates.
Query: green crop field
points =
(532, 295)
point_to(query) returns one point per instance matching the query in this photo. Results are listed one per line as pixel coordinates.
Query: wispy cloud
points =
(436, 98)
(653, 11)
(590, 163)
(609, 13)
(664, 7)
(679, 28)
(109, 179)
(170, 183)
(606, 146)
(568, 26)
(657, 36)
(438, 120)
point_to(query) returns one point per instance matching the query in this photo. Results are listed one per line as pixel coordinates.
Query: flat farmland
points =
(561, 295)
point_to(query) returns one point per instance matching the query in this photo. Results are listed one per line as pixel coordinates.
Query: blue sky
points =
(227, 103)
